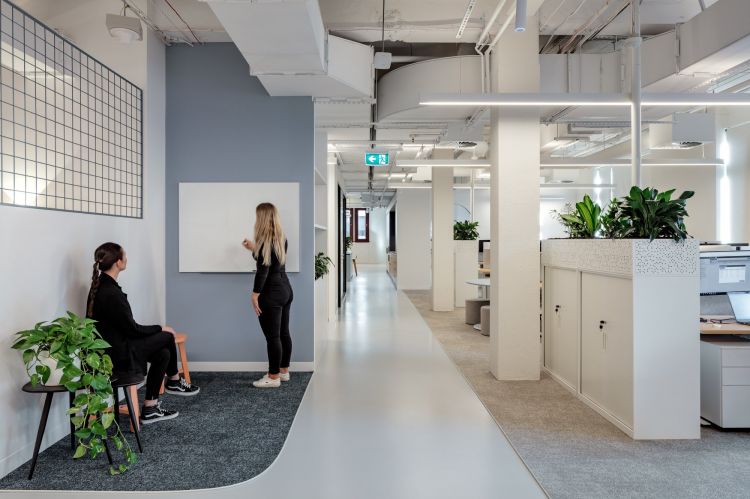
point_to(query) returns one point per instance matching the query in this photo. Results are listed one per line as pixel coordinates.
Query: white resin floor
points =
(386, 415)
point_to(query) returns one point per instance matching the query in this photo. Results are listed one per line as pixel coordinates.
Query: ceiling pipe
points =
(520, 16)
(635, 95)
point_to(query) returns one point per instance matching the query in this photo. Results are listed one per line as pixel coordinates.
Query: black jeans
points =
(160, 351)
(275, 302)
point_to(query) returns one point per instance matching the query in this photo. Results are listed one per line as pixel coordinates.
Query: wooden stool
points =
(49, 391)
(129, 385)
(179, 340)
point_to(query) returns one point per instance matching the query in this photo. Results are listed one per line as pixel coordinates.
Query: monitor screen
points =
(741, 306)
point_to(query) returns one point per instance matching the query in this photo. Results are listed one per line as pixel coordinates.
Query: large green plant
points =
(652, 214)
(348, 243)
(322, 261)
(79, 350)
(465, 231)
(583, 221)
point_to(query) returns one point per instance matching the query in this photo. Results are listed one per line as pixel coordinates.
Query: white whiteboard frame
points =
(214, 218)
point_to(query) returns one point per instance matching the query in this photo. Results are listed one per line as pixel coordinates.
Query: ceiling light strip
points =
(582, 99)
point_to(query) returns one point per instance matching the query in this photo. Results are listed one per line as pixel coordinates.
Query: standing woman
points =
(272, 293)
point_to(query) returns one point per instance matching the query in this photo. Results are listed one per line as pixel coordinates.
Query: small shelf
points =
(319, 178)
(320, 227)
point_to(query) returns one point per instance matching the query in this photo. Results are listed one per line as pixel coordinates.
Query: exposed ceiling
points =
(423, 28)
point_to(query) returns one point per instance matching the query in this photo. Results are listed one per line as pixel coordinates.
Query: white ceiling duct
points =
(288, 49)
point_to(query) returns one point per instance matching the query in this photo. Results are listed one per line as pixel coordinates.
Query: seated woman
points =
(133, 345)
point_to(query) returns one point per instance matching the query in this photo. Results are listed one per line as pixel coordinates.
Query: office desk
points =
(730, 328)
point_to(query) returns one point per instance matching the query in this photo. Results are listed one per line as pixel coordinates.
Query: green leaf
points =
(83, 433)
(28, 356)
(99, 345)
(86, 379)
(113, 471)
(122, 468)
(72, 386)
(72, 371)
(100, 382)
(118, 442)
(77, 421)
(93, 360)
(80, 451)
(107, 419)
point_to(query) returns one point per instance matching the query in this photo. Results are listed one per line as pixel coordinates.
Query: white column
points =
(514, 218)
(443, 293)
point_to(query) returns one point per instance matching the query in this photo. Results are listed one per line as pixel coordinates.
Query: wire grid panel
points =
(72, 129)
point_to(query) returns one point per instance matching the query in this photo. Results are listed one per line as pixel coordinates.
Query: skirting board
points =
(245, 366)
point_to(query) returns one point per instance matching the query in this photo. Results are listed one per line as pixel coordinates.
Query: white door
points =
(607, 344)
(561, 313)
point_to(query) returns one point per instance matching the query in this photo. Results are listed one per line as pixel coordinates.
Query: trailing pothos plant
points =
(79, 350)
(583, 221)
(655, 215)
(465, 231)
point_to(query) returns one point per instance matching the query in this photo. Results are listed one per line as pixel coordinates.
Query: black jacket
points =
(114, 321)
(263, 271)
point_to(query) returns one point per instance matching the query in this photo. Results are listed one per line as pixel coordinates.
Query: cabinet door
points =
(561, 313)
(607, 344)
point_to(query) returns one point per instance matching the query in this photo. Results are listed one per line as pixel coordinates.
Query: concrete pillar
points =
(443, 293)
(514, 204)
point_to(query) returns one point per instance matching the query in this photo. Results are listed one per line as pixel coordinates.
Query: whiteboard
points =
(216, 217)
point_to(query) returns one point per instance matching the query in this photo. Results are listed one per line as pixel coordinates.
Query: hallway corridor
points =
(387, 415)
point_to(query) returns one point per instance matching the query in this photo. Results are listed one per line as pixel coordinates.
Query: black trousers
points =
(275, 303)
(161, 352)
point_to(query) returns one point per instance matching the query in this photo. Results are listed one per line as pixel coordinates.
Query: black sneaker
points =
(180, 387)
(155, 413)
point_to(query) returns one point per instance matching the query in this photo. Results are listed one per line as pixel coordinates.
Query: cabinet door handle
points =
(557, 308)
(601, 325)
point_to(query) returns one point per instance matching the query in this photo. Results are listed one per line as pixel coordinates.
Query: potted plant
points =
(322, 262)
(72, 346)
(466, 259)
(348, 243)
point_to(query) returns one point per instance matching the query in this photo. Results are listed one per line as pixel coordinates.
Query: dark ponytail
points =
(105, 257)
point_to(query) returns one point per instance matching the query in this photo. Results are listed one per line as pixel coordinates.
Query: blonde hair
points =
(269, 236)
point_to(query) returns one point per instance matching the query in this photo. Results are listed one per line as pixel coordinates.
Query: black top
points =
(263, 271)
(114, 321)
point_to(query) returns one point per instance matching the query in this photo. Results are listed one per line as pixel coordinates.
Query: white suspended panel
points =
(399, 91)
(287, 48)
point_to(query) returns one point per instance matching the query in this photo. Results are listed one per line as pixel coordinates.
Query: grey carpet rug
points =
(228, 433)
(575, 453)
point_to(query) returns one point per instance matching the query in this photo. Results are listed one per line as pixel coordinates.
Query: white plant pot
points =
(55, 373)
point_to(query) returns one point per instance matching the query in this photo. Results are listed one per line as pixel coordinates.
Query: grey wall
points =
(223, 127)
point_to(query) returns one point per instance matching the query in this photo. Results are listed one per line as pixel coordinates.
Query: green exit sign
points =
(376, 159)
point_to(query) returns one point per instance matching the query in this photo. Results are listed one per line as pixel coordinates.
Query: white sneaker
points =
(284, 376)
(266, 382)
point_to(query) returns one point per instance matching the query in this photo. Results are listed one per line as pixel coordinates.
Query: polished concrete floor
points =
(386, 415)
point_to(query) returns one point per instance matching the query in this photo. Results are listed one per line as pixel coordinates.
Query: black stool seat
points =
(49, 391)
(40, 388)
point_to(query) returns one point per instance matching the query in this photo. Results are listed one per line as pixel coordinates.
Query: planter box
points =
(621, 330)
(466, 263)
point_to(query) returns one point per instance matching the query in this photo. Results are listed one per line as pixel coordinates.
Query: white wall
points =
(462, 203)
(375, 250)
(413, 245)
(46, 263)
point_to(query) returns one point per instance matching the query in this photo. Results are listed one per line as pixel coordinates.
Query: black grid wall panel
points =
(71, 130)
